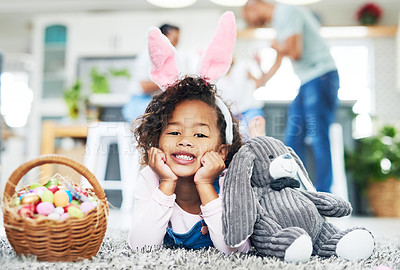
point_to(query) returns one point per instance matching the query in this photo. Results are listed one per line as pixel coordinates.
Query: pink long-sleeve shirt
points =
(154, 212)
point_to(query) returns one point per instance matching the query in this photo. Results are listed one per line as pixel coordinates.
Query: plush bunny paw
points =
(356, 245)
(300, 250)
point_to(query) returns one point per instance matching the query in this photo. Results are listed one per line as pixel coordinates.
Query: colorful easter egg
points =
(61, 198)
(68, 206)
(17, 202)
(75, 202)
(59, 210)
(39, 190)
(30, 198)
(45, 208)
(93, 200)
(53, 188)
(47, 196)
(35, 185)
(22, 195)
(26, 210)
(74, 211)
(69, 195)
(52, 181)
(54, 216)
(64, 216)
(86, 207)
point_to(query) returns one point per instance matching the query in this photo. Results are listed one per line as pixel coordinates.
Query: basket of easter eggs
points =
(56, 220)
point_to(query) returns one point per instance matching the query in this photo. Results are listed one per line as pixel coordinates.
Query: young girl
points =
(183, 138)
(188, 138)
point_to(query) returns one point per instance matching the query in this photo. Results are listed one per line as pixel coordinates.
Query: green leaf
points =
(99, 82)
(124, 72)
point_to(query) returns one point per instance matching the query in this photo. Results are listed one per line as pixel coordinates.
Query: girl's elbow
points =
(296, 56)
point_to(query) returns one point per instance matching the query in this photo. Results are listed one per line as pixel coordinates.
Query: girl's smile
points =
(183, 158)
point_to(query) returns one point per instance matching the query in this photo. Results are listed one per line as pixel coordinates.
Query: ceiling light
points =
(230, 3)
(172, 3)
(298, 2)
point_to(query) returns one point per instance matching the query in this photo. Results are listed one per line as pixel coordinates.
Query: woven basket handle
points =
(16, 176)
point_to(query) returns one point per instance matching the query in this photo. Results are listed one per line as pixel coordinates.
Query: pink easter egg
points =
(64, 216)
(45, 208)
(53, 188)
(39, 190)
(86, 207)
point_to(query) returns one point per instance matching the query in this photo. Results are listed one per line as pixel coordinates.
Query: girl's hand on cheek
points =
(157, 161)
(212, 166)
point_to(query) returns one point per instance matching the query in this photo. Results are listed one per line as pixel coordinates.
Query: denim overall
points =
(193, 239)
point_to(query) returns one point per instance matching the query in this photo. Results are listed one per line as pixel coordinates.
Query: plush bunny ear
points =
(302, 172)
(217, 58)
(164, 63)
(239, 204)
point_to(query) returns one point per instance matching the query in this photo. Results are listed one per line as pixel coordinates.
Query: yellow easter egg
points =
(75, 212)
(47, 196)
(61, 198)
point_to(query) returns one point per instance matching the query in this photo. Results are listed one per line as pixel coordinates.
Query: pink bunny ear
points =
(218, 56)
(163, 56)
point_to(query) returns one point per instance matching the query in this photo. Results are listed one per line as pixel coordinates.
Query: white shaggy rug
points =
(115, 254)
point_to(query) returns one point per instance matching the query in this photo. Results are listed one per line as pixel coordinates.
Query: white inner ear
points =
(283, 166)
(304, 182)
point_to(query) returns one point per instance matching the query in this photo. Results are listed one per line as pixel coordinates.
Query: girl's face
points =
(190, 133)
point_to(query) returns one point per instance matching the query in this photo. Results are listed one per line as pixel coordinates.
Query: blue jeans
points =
(309, 117)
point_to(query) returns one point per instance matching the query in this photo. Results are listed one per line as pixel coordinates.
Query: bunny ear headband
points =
(214, 63)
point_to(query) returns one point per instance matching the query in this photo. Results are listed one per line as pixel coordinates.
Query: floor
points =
(380, 227)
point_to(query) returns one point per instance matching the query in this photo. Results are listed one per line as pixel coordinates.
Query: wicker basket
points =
(70, 240)
(384, 198)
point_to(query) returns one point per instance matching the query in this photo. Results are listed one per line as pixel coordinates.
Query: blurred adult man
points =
(313, 110)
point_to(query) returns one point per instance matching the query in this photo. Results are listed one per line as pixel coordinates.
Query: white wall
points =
(14, 33)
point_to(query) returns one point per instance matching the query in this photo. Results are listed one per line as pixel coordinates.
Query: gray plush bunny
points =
(268, 196)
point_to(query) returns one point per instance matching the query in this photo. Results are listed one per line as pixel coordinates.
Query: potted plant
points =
(369, 14)
(73, 99)
(375, 166)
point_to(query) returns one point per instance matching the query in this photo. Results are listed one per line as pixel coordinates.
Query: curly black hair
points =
(148, 127)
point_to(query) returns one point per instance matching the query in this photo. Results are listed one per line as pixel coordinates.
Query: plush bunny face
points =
(271, 154)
